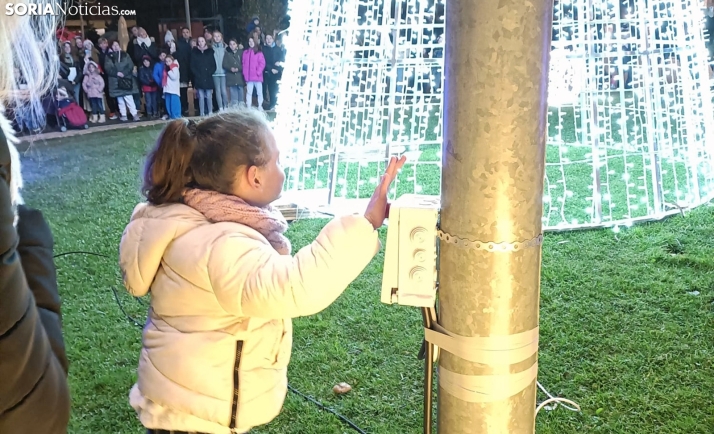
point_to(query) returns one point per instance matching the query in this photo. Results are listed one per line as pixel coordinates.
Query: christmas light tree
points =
(630, 119)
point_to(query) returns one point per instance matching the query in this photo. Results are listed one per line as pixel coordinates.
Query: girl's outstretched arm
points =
(251, 279)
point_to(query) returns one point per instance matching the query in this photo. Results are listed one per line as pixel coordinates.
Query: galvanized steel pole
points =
(496, 69)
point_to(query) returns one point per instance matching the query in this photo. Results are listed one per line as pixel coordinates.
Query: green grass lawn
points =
(622, 331)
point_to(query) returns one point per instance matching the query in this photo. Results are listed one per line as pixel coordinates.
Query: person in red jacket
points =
(253, 68)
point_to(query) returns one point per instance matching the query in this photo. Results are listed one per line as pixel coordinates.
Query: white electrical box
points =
(410, 274)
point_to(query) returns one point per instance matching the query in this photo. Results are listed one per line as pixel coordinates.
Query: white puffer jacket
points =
(221, 304)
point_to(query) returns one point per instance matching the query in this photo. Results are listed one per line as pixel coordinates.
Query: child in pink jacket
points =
(223, 279)
(93, 85)
(253, 67)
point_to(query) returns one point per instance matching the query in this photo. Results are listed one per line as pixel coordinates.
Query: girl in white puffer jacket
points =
(224, 286)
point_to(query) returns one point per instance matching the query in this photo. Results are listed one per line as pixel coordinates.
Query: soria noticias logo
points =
(23, 9)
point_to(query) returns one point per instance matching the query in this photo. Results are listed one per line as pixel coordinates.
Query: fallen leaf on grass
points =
(342, 388)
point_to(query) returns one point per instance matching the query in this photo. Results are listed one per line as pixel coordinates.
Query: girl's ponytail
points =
(167, 171)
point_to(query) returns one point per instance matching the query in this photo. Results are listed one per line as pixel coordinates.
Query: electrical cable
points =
(310, 399)
(427, 352)
(556, 400)
(323, 407)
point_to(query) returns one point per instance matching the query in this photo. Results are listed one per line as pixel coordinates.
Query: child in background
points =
(159, 78)
(253, 67)
(149, 87)
(93, 85)
(172, 87)
(224, 284)
(233, 64)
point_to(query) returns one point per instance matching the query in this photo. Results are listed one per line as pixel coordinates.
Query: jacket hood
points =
(90, 63)
(149, 233)
(15, 172)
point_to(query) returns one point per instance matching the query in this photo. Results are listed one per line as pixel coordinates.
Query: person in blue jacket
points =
(158, 78)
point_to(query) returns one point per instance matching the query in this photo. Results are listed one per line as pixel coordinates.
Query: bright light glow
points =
(630, 118)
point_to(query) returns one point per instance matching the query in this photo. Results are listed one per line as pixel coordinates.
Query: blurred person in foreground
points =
(34, 395)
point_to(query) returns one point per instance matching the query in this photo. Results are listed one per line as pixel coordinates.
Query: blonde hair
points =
(28, 43)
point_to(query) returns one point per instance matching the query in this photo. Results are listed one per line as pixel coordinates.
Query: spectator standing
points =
(183, 56)
(78, 47)
(89, 52)
(194, 44)
(102, 53)
(171, 84)
(233, 64)
(122, 86)
(273, 70)
(132, 41)
(150, 87)
(253, 67)
(203, 65)
(254, 22)
(219, 77)
(258, 33)
(158, 74)
(143, 46)
(168, 38)
(71, 69)
(93, 85)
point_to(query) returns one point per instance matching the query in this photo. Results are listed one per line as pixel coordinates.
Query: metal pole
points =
(495, 120)
(188, 15)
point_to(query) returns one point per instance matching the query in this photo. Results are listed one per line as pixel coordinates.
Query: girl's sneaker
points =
(123, 119)
(113, 117)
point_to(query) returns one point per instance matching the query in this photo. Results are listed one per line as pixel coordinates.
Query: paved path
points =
(93, 128)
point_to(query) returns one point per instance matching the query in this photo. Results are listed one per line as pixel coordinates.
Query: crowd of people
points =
(148, 80)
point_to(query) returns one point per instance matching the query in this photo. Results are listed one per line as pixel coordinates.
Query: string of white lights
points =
(631, 121)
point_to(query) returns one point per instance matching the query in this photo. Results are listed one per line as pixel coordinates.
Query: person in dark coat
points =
(203, 65)
(233, 64)
(122, 85)
(67, 62)
(183, 56)
(254, 22)
(273, 69)
(34, 394)
(150, 87)
(102, 53)
(144, 46)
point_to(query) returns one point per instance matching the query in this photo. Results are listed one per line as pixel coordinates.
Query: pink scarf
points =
(218, 207)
